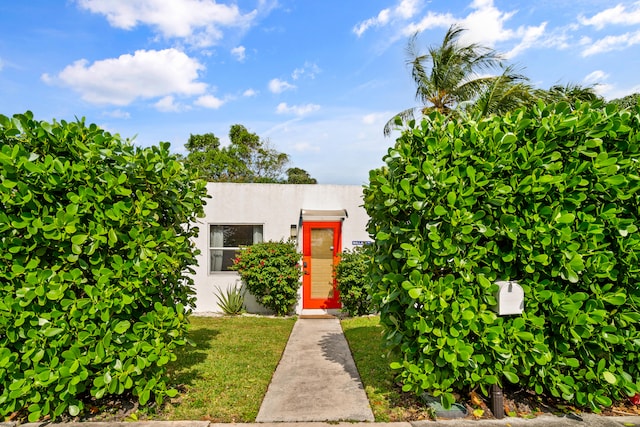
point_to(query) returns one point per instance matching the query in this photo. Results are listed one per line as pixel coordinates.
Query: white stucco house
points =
(324, 220)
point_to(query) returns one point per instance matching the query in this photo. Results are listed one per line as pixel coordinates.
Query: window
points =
(225, 242)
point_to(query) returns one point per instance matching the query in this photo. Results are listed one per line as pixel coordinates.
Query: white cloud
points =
(585, 40)
(430, 20)
(309, 69)
(405, 9)
(249, 93)
(199, 22)
(117, 114)
(598, 79)
(378, 21)
(302, 147)
(145, 74)
(376, 118)
(609, 91)
(485, 24)
(239, 52)
(595, 77)
(610, 43)
(617, 15)
(279, 86)
(167, 105)
(529, 37)
(209, 101)
(298, 110)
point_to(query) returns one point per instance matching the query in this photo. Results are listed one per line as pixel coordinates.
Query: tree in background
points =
(451, 79)
(450, 75)
(248, 158)
(503, 93)
(299, 176)
(628, 101)
(210, 161)
(570, 93)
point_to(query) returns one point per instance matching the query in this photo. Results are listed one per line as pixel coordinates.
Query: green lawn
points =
(388, 403)
(224, 378)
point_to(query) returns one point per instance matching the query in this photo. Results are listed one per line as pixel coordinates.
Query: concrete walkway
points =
(316, 379)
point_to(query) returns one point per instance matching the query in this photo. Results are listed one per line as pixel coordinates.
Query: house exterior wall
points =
(276, 207)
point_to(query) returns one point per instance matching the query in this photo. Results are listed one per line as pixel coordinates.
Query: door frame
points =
(307, 268)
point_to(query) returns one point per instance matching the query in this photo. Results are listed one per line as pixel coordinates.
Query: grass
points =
(388, 402)
(224, 378)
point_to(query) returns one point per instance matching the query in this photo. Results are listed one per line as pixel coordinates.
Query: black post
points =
(497, 403)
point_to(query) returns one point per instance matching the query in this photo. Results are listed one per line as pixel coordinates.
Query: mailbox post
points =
(509, 301)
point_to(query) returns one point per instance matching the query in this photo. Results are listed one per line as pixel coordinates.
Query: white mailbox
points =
(510, 298)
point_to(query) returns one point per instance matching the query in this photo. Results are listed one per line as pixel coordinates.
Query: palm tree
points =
(449, 77)
(503, 93)
(570, 93)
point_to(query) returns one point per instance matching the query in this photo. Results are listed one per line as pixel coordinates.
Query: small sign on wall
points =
(361, 242)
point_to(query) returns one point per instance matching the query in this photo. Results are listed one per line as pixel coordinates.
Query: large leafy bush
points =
(546, 196)
(94, 247)
(353, 282)
(271, 273)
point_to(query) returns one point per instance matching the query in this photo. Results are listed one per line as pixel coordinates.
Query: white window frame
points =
(258, 237)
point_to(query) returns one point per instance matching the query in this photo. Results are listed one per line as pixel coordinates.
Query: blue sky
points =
(317, 78)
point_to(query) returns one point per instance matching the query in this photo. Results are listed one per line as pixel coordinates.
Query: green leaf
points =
(609, 377)
(415, 293)
(7, 183)
(51, 332)
(468, 315)
(524, 335)
(471, 173)
(508, 139)
(566, 218)
(616, 180)
(79, 239)
(541, 258)
(603, 400)
(113, 237)
(122, 326)
(406, 186)
(614, 299)
(74, 410)
(34, 414)
(572, 362)
(382, 236)
(511, 377)
(440, 211)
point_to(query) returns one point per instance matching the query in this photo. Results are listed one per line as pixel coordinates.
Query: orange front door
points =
(321, 246)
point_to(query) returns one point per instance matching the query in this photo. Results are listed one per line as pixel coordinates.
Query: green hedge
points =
(546, 196)
(94, 247)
